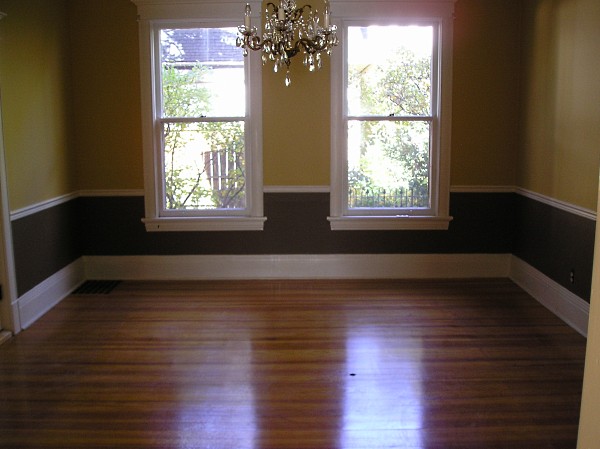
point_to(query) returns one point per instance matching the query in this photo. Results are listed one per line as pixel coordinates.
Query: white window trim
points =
(345, 12)
(153, 13)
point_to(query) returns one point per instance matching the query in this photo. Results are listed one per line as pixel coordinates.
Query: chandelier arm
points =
(250, 40)
(291, 52)
(254, 42)
(299, 12)
(311, 46)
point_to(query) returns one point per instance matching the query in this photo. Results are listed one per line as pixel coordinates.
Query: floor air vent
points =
(96, 287)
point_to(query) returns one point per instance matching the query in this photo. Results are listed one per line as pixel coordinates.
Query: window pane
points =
(202, 73)
(204, 165)
(389, 70)
(388, 164)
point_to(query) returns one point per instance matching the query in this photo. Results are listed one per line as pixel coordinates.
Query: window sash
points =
(161, 119)
(431, 119)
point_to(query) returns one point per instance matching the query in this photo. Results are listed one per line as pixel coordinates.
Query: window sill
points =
(383, 223)
(204, 224)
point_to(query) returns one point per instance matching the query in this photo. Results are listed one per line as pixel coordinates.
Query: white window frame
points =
(155, 15)
(398, 12)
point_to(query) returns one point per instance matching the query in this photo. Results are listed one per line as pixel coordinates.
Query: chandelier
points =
(289, 30)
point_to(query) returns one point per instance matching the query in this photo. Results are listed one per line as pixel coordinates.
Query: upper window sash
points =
(240, 107)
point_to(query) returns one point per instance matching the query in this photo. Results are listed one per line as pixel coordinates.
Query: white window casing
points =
(159, 14)
(347, 13)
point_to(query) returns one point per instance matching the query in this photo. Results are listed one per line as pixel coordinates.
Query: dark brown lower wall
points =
(44, 243)
(297, 224)
(487, 223)
(556, 243)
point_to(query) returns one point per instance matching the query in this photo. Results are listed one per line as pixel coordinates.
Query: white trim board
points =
(41, 206)
(296, 189)
(566, 305)
(558, 204)
(483, 189)
(57, 201)
(570, 308)
(331, 266)
(110, 193)
(47, 294)
(40, 299)
(38, 207)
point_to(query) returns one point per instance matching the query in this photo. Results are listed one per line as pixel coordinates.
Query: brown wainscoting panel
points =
(297, 224)
(44, 243)
(556, 242)
(553, 241)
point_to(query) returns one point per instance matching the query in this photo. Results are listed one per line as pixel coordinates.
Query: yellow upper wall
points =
(106, 94)
(561, 103)
(485, 92)
(34, 78)
(486, 101)
(296, 122)
(295, 119)
(557, 92)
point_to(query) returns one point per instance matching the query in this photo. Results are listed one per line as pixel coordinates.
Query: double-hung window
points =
(201, 118)
(391, 88)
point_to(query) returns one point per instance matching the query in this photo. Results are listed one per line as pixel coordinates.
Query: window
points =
(201, 119)
(391, 87)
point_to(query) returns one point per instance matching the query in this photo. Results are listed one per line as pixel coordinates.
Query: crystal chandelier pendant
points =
(311, 63)
(290, 30)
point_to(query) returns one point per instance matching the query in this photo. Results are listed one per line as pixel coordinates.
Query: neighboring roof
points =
(200, 45)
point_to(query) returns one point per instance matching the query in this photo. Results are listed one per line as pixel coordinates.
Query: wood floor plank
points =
(348, 364)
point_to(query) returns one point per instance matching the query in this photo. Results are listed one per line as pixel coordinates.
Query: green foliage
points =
(203, 161)
(401, 86)
(183, 94)
(400, 175)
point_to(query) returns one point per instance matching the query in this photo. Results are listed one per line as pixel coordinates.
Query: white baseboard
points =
(37, 301)
(330, 266)
(566, 305)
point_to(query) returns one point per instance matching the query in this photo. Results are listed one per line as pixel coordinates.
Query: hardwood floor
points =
(294, 364)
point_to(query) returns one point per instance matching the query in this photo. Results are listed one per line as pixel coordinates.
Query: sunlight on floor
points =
(376, 404)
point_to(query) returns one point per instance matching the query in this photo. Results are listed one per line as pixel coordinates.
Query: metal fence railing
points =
(394, 198)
